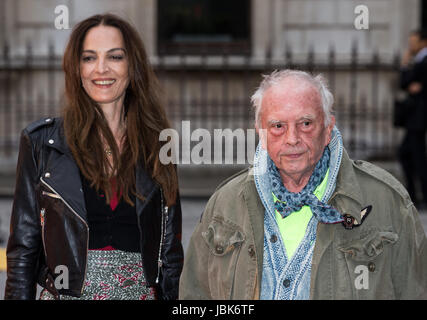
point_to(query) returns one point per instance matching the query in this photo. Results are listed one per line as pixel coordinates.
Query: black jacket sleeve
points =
(25, 242)
(173, 255)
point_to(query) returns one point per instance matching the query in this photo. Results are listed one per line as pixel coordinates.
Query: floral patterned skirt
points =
(112, 275)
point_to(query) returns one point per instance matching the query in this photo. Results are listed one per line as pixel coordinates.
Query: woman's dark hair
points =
(145, 118)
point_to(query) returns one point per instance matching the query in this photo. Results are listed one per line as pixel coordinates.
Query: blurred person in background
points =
(96, 215)
(305, 221)
(412, 152)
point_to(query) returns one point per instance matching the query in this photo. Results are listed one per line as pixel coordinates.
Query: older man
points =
(306, 221)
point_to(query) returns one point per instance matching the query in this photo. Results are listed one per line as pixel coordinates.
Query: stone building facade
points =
(216, 90)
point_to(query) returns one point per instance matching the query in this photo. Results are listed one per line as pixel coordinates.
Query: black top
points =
(110, 225)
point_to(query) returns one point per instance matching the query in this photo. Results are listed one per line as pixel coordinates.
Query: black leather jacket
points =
(49, 221)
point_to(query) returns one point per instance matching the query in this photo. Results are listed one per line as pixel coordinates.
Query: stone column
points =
(261, 27)
(145, 17)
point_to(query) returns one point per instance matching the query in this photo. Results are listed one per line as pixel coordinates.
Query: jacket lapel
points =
(348, 194)
(62, 173)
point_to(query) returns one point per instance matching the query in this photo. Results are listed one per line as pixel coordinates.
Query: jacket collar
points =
(63, 174)
(348, 194)
(55, 137)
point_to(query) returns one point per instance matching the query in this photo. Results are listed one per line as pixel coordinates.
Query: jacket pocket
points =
(370, 246)
(224, 240)
(49, 202)
(368, 261)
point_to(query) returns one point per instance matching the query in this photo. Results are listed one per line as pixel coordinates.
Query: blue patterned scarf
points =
(291, 202)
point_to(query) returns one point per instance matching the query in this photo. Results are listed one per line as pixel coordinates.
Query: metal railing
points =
(213, 92)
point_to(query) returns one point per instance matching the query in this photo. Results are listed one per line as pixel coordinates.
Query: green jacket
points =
(385, 257)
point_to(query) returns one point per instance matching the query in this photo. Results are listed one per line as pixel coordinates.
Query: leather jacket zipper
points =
(42, 221)
(75, 213)
(164, 213)
(52, 195)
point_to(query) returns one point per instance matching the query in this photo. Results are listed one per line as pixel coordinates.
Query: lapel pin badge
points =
(349, 222)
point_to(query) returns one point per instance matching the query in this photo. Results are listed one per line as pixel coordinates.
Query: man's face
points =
(294, 122)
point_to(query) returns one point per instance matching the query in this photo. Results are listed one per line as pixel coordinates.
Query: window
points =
(203, 26)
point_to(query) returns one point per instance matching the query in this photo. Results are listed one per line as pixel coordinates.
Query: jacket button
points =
(251, 251)
(47, 175)
(371, 266)
(51, 141)
(48, 120)
(286, 283)
(273, 238)
(219, 249)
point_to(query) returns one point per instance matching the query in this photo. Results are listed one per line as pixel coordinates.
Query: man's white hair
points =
(319, 82)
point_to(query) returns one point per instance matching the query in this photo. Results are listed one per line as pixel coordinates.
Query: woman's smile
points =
(103, 83)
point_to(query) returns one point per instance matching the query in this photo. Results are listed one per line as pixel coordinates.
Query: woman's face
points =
(104, 65)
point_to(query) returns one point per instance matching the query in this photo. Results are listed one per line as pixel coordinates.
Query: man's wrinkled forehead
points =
(295, 91)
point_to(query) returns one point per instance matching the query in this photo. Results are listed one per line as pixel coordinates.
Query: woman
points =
(95, 214)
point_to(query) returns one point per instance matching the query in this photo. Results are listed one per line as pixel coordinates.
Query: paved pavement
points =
(191, 208)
